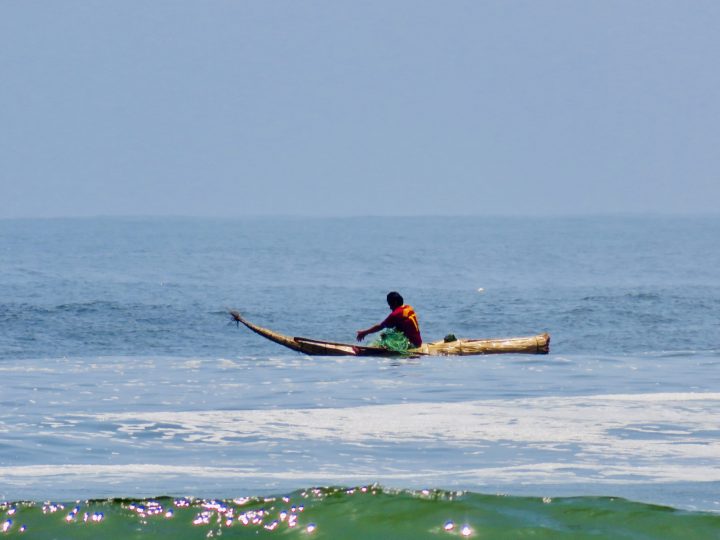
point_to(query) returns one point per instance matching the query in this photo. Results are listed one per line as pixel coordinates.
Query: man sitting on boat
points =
(403, 331)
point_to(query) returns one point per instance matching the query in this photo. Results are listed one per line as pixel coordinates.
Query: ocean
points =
(132, 407)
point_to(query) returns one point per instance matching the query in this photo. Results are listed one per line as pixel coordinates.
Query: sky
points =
(355, 108)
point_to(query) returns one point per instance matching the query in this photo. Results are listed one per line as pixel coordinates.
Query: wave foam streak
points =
(607, 439)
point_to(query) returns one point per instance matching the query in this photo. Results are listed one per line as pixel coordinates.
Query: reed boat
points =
(539, 344)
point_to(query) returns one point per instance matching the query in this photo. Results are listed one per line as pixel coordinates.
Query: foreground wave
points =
(363, 512)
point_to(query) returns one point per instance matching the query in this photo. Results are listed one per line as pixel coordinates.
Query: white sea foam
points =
(588, 420)
(633, 438)
(536, 473)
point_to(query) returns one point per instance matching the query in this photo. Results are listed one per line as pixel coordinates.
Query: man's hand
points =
(361, 335)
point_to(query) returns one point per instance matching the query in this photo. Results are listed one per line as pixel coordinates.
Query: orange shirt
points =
(404, 319)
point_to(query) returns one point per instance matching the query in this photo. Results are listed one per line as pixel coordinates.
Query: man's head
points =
(394, 300)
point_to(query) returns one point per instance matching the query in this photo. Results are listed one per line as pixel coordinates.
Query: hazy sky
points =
(235, 108)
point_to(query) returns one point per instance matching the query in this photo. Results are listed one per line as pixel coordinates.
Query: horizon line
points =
(226, 217)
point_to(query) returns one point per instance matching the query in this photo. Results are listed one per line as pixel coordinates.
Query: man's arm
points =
(362, 333)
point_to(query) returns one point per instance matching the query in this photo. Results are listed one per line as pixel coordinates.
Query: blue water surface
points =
(123, 376)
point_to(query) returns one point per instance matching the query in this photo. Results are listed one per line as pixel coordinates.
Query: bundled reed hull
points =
(539, 344)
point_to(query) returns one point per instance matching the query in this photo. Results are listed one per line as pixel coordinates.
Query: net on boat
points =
(393, 340)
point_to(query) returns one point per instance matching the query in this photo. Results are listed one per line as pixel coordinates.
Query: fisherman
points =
(402, 319)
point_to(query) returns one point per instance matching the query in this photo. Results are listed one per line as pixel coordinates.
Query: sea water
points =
(123, 379)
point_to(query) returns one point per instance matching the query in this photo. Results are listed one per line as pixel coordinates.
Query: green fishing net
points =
(393, 340)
